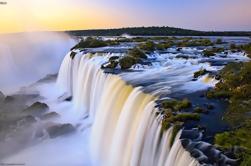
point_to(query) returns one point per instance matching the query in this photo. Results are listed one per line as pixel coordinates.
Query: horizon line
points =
(116, 28)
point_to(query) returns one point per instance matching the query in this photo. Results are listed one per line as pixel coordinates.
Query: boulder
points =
(60, 129)
(36, 109)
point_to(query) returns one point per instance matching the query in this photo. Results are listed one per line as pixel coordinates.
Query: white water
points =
(117, 123)
(125, 130)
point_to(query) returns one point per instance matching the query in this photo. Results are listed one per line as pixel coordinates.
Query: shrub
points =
(212, 51)
(235, 85)
(200, 73)
(219, 41)
(89, 43)
(200, 110)
(148, 46)
(176, 105)
(208, 53)
(112, 64)
(247, 49)
(187, 116)
(189, 42)
(137, 53)
(238, 141)
(127, 62)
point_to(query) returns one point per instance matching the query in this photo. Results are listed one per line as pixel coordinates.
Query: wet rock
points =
(179, 49)
(73, 54)
(27, 120)
(182, 56)
(36, 109)
(209, 106)
(59, 130)
(200, 110)
(68, 98)
(50, 115)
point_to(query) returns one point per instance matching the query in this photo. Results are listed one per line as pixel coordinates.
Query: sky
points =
(51, 15)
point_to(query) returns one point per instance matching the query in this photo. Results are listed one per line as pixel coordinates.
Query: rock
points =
(68, 98)
(182, 56)
(209, 106)
(59, 130)
(50, 115)
(36, 109)
(179, 49)
(200, 110)
(27, 120)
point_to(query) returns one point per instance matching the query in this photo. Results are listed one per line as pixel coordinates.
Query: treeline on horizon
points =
(155, 31)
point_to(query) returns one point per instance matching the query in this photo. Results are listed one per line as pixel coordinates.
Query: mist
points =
(27, 57)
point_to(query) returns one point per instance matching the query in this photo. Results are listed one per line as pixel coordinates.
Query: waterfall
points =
(125, 127)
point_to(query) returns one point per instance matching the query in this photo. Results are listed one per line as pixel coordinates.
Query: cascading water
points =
(125, 128)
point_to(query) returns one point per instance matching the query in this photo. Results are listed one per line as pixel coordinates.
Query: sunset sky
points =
(35, 15)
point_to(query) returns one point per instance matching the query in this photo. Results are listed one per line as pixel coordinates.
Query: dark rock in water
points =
(200, 110)
(193, 134)
(59, 130)
(179, 49)
(36, 109)
(217, 77)
(182, 56)
(68, 98)
(50, 115)
(194, 79)
(209, 106)
(73, 54)
(202, 95)
(27, 120)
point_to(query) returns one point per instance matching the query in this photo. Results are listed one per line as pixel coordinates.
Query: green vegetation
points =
(212, 51)
(200, 110)
(190, 42)
(176, 105)
(219, 41)
(173, 115)
(235, 87)
(90, 42)
(237, 142)
(247, 49)
(176, 128)
(200, 73)
(133, 57)
(112, 64)
(127, 62)
(137, 53)
(154, 31)
(148, 46)
(151, 46)
(164, 45)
